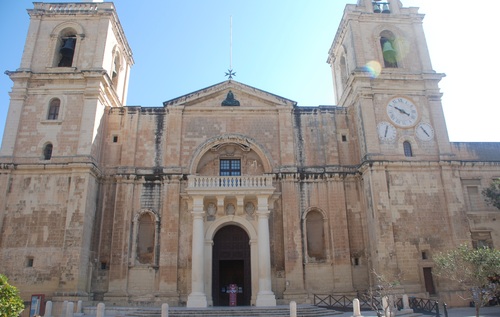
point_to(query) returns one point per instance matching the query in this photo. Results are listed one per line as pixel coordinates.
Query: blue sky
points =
(279, 46)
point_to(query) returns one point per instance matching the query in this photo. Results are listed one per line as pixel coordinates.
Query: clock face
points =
(424, 131)
(402, 112)
(386, 131)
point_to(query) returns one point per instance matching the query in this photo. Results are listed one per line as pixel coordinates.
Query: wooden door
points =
(231, 265)
(429, 281)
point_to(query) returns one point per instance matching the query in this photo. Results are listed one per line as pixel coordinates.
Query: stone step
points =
(246, 311)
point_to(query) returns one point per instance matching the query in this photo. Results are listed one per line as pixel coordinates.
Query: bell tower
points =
(383, 75)
(75, 65)
(76, 62)
(382, 70)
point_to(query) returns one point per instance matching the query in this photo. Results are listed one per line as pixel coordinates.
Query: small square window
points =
(424, 255)
(104, 265)
(29, 262)
(344, 138)
(115, 138)
(230, 167)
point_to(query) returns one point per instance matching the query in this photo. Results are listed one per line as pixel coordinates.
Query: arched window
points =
(146, 238)
(389, 52)
(115, 69)
(47, 151)
(315, 236)
(54, 106)
(343, 70)
(407, 149)
(67, 50)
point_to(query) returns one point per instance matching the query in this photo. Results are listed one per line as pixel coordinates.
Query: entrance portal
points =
(429, 282)
(231, 265)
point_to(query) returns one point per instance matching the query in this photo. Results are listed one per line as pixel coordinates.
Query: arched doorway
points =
(231, 265)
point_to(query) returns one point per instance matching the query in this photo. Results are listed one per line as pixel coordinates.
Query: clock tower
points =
(383, 75)
(382, 72)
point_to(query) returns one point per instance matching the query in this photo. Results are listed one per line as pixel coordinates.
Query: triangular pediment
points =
(229, 94)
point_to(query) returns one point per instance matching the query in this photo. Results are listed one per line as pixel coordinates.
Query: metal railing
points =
(344, 302)
(423, 305)
(366, 302)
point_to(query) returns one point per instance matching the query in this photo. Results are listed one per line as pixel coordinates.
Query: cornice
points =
(202, 94)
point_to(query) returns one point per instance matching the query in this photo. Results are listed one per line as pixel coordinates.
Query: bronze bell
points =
(68, 47)
(385, 8)
(389, 52)
(376, 8)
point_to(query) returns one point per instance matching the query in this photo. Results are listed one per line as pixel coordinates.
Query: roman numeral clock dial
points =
(402, 112)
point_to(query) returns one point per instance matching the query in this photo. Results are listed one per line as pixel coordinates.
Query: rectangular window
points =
(481, 239)
(230, 167)
(474, 197)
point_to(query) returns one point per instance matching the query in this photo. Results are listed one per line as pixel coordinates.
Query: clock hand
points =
(402, 111)
(386, 128)
(425, 131)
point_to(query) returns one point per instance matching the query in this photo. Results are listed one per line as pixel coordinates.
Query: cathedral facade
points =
(232, 186)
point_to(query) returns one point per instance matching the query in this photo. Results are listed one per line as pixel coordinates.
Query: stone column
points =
(197, 298)
(356, 309)
(64, 308)
(164, 310)
(100, 310)
(293, 309)
(48, 309)
(265, 296)
(406, 306)
(79, 308)
(69, 309)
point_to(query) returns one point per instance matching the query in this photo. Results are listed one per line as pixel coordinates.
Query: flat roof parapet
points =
(71, 7)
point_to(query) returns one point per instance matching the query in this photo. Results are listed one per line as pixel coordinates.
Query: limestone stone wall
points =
(48, 223)
(108, 217)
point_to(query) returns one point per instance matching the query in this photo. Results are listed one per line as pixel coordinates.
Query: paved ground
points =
(493, 311)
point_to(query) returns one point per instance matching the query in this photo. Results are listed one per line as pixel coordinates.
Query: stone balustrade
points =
(229, 182)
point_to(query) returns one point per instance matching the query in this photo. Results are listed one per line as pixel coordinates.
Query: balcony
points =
(230, 184)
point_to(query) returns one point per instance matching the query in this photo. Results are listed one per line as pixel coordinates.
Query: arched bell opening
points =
(66, 51)
(389, 50)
